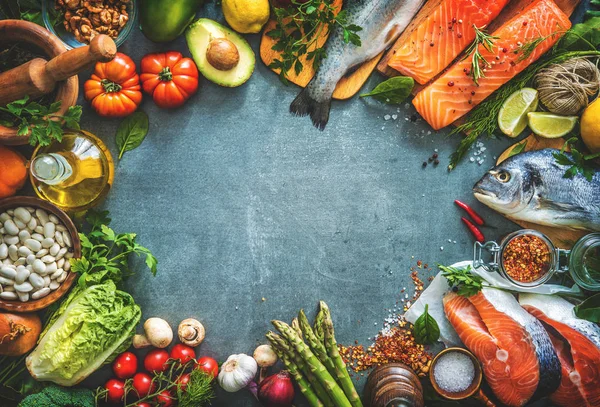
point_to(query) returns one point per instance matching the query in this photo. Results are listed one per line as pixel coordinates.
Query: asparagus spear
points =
(296, 327)
(285, 347)
(314, 364)
(304, 386)
(315, 345)
(332, 350)
(318, 326)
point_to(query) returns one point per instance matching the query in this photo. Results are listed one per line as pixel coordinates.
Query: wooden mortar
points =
(41, 39)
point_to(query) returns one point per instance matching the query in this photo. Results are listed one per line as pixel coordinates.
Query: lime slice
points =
(550, 125)
(512, 117)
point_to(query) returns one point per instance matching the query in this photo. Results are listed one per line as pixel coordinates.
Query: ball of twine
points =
(566, 88)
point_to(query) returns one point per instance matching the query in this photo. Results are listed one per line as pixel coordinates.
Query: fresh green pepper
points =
(165, 20)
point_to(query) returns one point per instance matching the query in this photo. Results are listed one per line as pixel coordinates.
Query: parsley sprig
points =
(577, 162)
(477, 60)
(299, 27)
(41, 123)
(462, 280)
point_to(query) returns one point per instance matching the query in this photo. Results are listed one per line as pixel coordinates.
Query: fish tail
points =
(305, 105)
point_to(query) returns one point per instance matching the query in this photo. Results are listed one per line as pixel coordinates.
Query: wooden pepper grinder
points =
(393, 385)
(39, 77)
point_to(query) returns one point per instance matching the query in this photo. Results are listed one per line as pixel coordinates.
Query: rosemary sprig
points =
(477, 60)
(298, 29)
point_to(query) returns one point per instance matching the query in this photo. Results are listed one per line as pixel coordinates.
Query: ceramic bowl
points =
(35, 305)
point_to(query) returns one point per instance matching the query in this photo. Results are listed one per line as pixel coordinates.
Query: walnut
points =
(74, 22)
(72, 4)
(123, 20)
(88, 18)
(85, 29)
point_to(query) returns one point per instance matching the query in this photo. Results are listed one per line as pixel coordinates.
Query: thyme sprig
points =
(298, 29)
(478, 62)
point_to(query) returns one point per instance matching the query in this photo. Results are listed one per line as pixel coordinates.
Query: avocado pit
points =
(222, 54)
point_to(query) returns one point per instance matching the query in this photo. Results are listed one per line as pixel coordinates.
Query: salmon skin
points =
(444, 34)
(382, 22)
(454, 93)
(577, 343)
(518, 359)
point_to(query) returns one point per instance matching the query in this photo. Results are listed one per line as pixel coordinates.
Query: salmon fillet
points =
(446, 32)
(454, 93)
(517, 357)
(580, 363)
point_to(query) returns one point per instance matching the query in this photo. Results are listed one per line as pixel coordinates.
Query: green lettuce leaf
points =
(90, 329)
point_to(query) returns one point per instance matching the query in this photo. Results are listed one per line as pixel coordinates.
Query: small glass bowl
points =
(69, 39)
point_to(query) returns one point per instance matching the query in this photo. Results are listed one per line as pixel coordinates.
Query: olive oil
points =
(75, 174)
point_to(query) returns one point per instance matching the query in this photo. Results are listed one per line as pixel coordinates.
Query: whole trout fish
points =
(382, 21)
(530, 187)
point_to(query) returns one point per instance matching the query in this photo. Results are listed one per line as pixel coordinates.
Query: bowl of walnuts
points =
(77, 22)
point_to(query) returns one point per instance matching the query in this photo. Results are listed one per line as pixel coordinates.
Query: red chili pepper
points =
(474, 215)
(474, 230)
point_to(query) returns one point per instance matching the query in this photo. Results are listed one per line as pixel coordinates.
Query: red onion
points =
(276, 390)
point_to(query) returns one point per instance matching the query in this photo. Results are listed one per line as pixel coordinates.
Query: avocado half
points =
(200, 34)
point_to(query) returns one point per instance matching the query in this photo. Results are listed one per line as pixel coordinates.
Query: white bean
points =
(40, 294)
(23, 215)
(4, 217)
(11, 212)
(37, 236)
(48, 259)
(21, 261)
(60, 263)
(61, 228)
(57, 274)
(24, 235)
(6, 281)
(61, 253)
(51, 268)
(42, 215)
(39, 229)
(53, 219)
(30, 209)
(32, 224)
(3, 251)
(54, 285)
(54, 249)
(8, 288)
(33, 245)
(47, 243)
(10, 227)
(36, 281)
(69, 255)
(23, 297)
(67, 239)
(11, 239)
(22, 274)
(49, 229)
(30, 259)
(59, 238)
(13, 252)
(24, 287)
(8, 295)
(8, 272)
(24, 251)
(67, 265)
(39, 266)
(47, 281)
(62, 278)
(20, 224)
(41, 253)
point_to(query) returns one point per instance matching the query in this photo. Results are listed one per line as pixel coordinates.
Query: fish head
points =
(506, 188)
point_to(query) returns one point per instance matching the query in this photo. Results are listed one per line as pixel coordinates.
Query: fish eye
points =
(503, 176)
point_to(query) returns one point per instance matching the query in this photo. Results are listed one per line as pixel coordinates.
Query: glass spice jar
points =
(528, 258)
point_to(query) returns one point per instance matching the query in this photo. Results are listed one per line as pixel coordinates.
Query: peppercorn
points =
(424, 164)
(434, 155)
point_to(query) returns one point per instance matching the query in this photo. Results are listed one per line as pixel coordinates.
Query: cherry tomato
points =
(142, 383)
(125, 365)
(143, 404)
(165, 399)
(116, 390)
(183, 353)
(208, 365)
(183, 380)
(156, 360)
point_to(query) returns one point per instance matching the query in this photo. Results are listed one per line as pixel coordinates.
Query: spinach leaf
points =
(131, 132)
(426, 329)
(589, 309)
(518, 149)
(582, 37)
(393, 91)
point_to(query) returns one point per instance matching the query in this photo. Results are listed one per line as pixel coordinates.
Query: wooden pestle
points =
(39, 77)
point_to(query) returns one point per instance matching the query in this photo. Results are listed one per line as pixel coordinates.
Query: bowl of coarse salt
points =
(37, 241)
(455, 374)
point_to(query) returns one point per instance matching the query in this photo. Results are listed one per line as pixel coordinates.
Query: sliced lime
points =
(550, 125)
(512, 117)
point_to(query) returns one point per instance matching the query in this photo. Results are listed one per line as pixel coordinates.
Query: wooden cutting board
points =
(346, 88)
(561, 237)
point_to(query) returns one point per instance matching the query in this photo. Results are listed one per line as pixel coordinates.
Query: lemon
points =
(590, 127)
(512, 117)
(246, 16)
(550, 125)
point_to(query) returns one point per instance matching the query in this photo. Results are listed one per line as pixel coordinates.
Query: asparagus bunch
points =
(311, 354)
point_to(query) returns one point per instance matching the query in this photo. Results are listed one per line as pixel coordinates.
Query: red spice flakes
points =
(526, 258)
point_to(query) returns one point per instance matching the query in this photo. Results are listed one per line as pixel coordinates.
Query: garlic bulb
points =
(237, 372)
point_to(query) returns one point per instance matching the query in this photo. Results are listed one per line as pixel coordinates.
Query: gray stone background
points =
(241, 201)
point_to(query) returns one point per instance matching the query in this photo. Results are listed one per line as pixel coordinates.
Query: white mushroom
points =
(191, 332)
(140, 341)
(159, 332)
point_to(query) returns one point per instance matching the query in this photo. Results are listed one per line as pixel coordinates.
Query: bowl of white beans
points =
(37, 241)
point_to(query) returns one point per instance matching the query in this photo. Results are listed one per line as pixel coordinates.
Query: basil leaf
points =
(582, 37)
(132, 132)
(426, 329)
(519, 148)
(393, 91)
(589, 309)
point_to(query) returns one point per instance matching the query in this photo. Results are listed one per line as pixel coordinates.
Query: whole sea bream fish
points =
(530, 187)
(382, 21)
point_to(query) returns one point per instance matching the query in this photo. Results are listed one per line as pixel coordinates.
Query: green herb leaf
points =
(577, 162)
(393, 91)
(462, 280)
(518, 149)
(131, 132)
(582, 36)
(589, 309)
(426, 329)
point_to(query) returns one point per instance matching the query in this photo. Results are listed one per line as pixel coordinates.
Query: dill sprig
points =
(477, 60)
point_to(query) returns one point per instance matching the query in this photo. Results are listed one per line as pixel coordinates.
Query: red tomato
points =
(142, 384)
(183, 353)
(125, 365)
(208, 365)
(143, 404)
(169, 77)
(116, 390)
(156, 360)
(165, 399)
(183, 380)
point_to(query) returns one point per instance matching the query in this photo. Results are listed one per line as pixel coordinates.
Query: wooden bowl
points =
(12, 31)
(35, 305)
(469, 391)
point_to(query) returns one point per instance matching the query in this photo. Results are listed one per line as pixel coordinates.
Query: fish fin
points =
(393, 33)
(305, 104)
